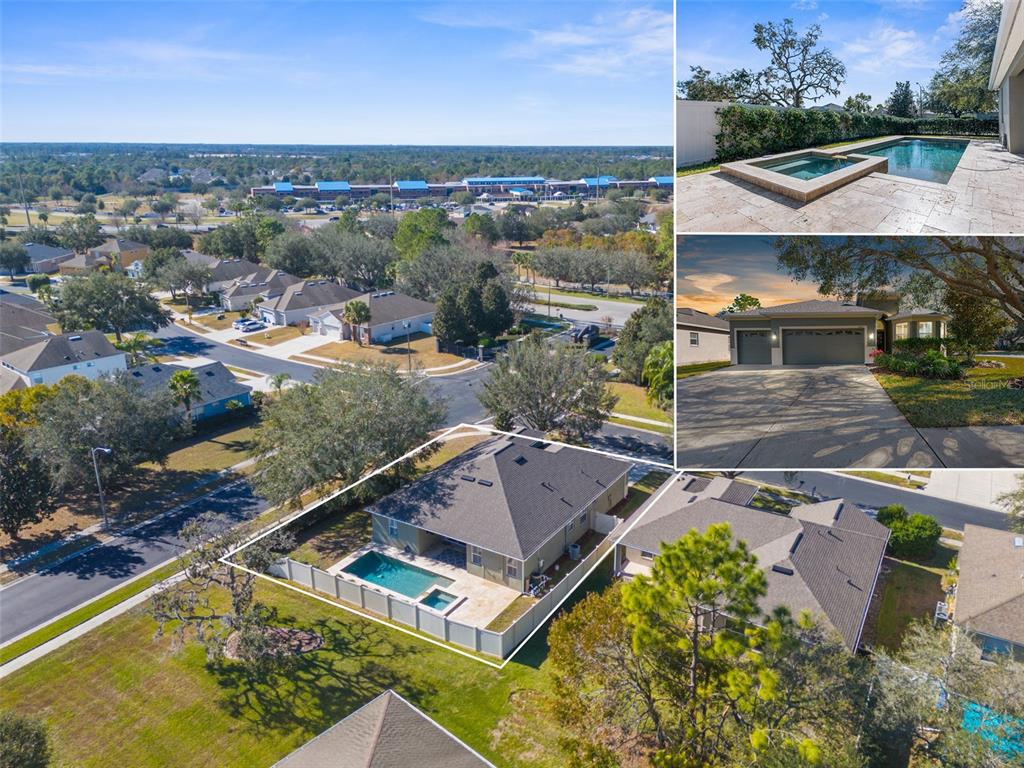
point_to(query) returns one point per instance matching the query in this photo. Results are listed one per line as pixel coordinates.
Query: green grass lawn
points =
(910, 590)
(215, 447)
(120, 696)
(633, 402)
(541, 292)
(686, 371)
(979, 400)
(639, 492)
(689, 170)
(886, 477)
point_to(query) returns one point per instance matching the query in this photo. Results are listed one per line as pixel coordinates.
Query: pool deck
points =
(484, 599)
(983, 196)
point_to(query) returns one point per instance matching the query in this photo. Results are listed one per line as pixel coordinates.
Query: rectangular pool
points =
(923, 159)
(808, 167)
(438, 600)
(400, 577)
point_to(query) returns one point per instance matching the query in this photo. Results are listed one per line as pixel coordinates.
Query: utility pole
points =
(408, 343)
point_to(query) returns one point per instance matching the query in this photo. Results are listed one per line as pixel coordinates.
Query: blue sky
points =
(880, 42)
(515, 72)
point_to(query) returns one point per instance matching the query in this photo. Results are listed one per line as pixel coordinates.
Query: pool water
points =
(438, 600)
(923, 159)
(387, 572)
(807, 168)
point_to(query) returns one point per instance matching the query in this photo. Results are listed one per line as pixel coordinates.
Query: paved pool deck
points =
(983, 196)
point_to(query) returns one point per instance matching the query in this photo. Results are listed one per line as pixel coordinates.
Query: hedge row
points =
(746, 132)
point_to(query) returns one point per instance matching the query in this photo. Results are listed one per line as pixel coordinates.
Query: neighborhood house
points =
(45, 259)
(392, 315)
(86, 353)
(300, 300)
(700, 337)
(259, 285)
(990, 589)
(823, 557)
(218, 387)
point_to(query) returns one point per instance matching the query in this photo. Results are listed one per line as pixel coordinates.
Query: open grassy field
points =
(980, 399)
(686, 371)
(424, 352)
(120, 696)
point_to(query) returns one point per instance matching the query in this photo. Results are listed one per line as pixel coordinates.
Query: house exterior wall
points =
(493, 568)
(294, 316)
(418, 540)
(777, 325)
(1007, 77)
(913, 330)
(385, 332)
(624, 553)
(219, 407)
(47, 266)
(90, 369)
(711, 347)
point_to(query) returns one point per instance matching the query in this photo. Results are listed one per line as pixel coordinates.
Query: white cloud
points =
(886, 49)
(708, 282)
(804, 5)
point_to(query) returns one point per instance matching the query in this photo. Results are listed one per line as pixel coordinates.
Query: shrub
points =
(915, 536)
(891, 513)
(752, 131)
(23, 742)
(930, 365)
(917, 345)
(35, 282)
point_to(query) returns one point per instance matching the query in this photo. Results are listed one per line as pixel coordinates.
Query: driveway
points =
(810, 417)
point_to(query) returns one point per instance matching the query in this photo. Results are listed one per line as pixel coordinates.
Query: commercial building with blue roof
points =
(509, 187)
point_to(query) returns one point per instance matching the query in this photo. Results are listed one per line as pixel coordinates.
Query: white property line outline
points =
(673, 475)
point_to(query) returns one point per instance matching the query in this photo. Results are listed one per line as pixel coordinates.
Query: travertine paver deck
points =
(985, 195)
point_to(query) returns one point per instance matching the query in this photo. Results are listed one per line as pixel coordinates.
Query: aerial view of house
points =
(392, 315)
(218, 392)
(46, 259)
(823, 558)
(86, 353)
(989, 600)
(300, 300)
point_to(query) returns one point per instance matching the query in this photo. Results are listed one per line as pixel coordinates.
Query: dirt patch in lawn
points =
(284, 641)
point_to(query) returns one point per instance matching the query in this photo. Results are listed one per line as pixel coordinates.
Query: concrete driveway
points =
(796, 417)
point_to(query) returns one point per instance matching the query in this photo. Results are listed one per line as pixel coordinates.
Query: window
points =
(901, 331)
(392, 527)
(694, 339)
(570, 526)
(645, 555)
(511, 568)
(583, 519)
(476, 556)
(924, 329)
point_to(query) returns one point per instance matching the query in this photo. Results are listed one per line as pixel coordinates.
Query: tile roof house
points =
(700, 337)
(300, 300)
(387, 732)
(217, 385)
(86, 353)
(990, 588)
(126, 255)
(515, 504)
(389, 311)
(83, 264)
(823, 557)
(23, 321)
(45, 259)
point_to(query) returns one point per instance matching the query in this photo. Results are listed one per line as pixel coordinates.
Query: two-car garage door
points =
(823, 346)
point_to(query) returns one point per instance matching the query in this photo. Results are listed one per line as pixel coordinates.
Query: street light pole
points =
(408, 343)
(99, 483)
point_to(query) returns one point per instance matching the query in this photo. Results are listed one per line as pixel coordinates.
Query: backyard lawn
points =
(686, 371)
(120, 696)
(424, 353)
(982, 399)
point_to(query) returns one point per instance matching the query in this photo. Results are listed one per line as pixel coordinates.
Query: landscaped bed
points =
(982, 398)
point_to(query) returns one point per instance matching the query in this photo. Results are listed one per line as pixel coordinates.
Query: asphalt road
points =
(40, 597)
(459, 391)
(951, 514)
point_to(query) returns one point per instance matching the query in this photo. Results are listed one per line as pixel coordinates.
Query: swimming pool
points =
(809, 167)
(400, 577)
(438, 600)
(923, 159)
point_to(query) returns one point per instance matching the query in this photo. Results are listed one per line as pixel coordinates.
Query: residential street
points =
(618, 311)
(951, 514)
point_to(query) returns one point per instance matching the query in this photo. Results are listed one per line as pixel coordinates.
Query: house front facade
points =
(300, 300)
(512, 506)
(815, 332)
(700, 337)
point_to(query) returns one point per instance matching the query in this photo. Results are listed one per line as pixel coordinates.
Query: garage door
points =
(753, 348)
(823, 346)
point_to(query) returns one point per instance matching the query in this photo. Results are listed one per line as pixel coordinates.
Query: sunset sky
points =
(712, 270)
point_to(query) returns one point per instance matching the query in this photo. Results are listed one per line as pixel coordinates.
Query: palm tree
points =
(184, 386)
(44, 217)
(137, 347)
(278, 380)
(356, 313)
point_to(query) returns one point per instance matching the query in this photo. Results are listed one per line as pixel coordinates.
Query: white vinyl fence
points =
(696, 128)
(419, 617)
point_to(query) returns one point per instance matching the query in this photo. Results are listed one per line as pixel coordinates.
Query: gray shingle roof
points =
(920, 312)
(990, 590)
(811, 307)
(827, 563)
(37, 252)
(117, 245)
(387, 732)
(23, 322)
(507, 495)
(698, 319)
(310, 294)
(390, 307)
(65, 349)
(263, 282)
(215, 381)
